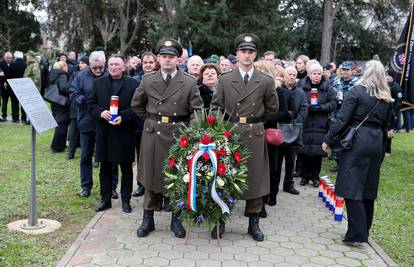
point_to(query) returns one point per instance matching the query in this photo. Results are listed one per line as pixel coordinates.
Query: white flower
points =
(220, 182)
(186, 178)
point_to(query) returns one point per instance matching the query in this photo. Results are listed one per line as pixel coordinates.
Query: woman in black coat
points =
(59, 76)
(316, 125)
(209, 74)
(359, 167)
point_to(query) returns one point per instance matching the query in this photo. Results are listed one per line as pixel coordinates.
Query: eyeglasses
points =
(97, 68)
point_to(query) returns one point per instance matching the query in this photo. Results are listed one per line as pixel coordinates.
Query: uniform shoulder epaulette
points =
(149, 73)
(225, 73)
(189, 75)
(265, 74)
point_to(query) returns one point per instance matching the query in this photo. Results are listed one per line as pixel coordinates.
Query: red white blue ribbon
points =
(192, 186)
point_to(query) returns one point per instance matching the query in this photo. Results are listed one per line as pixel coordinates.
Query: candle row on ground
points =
(334, 203)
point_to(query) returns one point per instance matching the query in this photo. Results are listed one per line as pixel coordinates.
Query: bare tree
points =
(126, 19)
(107, 29)
(330, 7)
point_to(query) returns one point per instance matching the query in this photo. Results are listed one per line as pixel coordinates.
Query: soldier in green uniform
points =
(248, 96)
(164, 99)
(32, 71)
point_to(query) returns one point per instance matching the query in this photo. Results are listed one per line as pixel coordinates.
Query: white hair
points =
(97, 56)
(313, 68)
(8, 54)
(290, 67)
(18, 54)
(197, 59)
(310, 63)
(375, 81)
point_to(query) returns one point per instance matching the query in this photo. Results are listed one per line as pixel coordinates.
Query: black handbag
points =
(292, 133)
(347, 137)
(52, 95)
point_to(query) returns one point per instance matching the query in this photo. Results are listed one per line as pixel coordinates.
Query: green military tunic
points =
(33, 71)
(256, 100)
(180, 98)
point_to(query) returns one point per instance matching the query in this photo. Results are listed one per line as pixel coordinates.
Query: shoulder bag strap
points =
(368, 114)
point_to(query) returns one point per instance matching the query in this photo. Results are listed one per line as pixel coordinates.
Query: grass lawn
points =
(57, 186)
(393, 226)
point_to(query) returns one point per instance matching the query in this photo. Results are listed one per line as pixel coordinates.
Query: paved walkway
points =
(299, 232)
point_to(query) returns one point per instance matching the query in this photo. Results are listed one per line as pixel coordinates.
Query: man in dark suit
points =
(5, 73)
(248, 96)
(115, 139)
(165, 98)
(18, 67)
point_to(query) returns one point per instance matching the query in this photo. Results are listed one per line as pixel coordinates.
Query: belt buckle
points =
(165, 119)
(243, 120)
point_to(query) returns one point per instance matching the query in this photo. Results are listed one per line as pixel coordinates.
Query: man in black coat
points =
(5, 73)
(115, 139)
(17, 70)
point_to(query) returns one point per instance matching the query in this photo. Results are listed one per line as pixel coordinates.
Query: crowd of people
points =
(159, 91)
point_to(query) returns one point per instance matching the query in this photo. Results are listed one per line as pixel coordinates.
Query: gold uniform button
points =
(158, 133)
(159, 113)
(237, 114)
(160, 103)
(251, 125)
(251, 115)
(253, 104)
(250, 136)
(175, 114)
(238, 104)
(175, 103)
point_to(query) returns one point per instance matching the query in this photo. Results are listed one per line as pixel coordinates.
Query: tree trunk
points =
(124, 20)
(328, 18)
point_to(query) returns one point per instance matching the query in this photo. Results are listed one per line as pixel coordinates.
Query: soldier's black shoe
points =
(254, 229)
(166, 207)
(222, 228)
(263, 213)
(177, 227)
(114, 194)
(315, 183)
(291, 190)
(85, 192)
(139, 192)
(70, 156)
(126, 207)
(147, 225)
(103, 205)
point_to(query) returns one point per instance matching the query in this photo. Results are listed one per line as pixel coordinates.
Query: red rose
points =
(237, 157)
(172, 162)
(228, 134)
(206, 140)
(221, 169)
(211, 120)
(183, 141)
(206, 156)
(221, 152)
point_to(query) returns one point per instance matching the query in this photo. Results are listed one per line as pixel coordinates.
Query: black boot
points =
(126, 207)
(304, 181)
(147, 225)
(222, 228)
(263, 213)
(139, 192)
(176, 226)
(254, 229)
(103, 205)
(315, 182)
(166, 207)
(272, 200)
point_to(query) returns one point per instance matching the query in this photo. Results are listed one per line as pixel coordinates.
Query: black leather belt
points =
(168, 119)
(242, 120)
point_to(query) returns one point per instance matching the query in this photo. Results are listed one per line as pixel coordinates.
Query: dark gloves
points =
(315, 108)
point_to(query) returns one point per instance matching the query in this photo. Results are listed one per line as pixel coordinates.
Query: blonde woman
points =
(300, 64)
(359, 167)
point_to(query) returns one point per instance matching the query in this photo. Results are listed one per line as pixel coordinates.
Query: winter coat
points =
(206, 94)
(359, 167)
(33, 71)
(79, 91)
(113, 143)
(257, 99)
(61, 79)
(317, 122)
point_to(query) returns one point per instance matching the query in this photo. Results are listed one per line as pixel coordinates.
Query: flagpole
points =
(407, 44)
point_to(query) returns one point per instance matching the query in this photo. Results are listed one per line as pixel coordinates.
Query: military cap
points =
(232, 59)
(247, 41)
(347, 65)
(327, 66)
(30, 53)
(169, 46)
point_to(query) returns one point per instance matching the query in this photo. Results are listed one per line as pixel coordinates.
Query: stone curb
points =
(75, 246)
(384, 256)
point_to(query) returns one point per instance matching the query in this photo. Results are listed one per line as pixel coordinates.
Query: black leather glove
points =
(315, 108)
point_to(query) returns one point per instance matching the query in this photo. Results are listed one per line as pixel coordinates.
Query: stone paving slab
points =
(299, 232)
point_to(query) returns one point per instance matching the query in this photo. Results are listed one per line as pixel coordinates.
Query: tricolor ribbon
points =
(192, 186)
